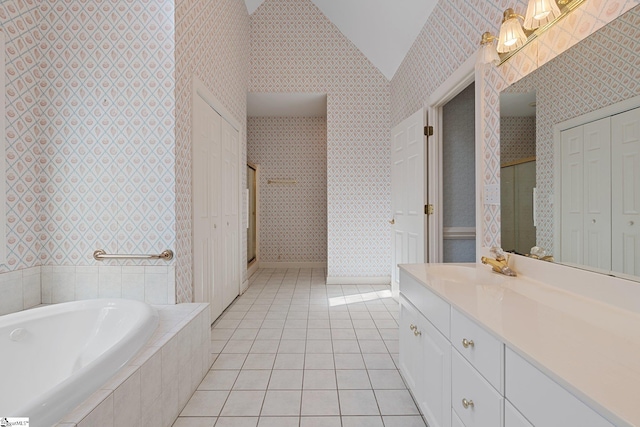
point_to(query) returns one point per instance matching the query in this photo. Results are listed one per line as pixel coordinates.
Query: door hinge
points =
(428, 209)
(428, 130)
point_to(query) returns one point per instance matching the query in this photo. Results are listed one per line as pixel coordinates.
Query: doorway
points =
(458, 178)
(252, 226)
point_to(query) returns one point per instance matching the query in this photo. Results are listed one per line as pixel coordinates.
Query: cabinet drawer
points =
(485, 404)
(513, 418)
(530, 390)
(434, 308)
(479, 347)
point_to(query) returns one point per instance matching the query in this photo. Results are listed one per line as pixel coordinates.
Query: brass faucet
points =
(499, 263)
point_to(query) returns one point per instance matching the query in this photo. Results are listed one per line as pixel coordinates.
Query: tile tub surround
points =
(151, 284)
(293, 351)
(158, 382)
(19, 290)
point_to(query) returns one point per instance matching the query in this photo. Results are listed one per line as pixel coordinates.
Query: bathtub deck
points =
(159, 380)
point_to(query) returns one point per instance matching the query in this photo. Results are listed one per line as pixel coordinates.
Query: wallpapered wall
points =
(517, 138)
(451, 35)
(20, 23)
(293, 217)
(295, 48)
(599, 71)
(212, 42)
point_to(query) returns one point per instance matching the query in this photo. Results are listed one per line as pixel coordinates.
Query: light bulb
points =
(539, 13)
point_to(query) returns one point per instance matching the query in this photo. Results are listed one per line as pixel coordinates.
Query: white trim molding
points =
(381, 280)
(292, 265)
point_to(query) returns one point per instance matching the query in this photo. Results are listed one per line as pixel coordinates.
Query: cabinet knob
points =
(392, 221)
(413, 327)
(416, 332)
(467, 343)
(631, 222)
(467, 403)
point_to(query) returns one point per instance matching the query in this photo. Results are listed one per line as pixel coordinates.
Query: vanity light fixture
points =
(514, 35)
(539, 13)
(488, 53)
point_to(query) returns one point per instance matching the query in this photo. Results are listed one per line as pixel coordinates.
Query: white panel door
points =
(230, 222)
(572, 226)
(206, 216)
(597, 194)
(625, 192)
(408, 192)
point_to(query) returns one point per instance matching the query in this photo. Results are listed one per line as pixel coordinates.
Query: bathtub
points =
(54, 357)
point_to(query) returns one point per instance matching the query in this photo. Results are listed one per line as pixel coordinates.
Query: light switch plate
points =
(492, 194)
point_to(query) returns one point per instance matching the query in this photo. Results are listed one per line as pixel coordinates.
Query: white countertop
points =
(589, 347)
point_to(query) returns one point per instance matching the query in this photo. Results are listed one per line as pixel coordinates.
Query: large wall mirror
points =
(570, 154)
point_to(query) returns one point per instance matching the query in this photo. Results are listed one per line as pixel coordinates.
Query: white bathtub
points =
(54, 357)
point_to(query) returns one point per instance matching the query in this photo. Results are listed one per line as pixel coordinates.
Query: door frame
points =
(462, 77)
(201, 90)
(256, 263)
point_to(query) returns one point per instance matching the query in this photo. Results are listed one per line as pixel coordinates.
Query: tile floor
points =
(293, 351)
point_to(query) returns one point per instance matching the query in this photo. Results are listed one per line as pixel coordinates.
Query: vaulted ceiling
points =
(383, 30)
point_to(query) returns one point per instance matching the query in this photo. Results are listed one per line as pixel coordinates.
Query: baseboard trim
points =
(292, 265)
(380, 280)
(251, 270)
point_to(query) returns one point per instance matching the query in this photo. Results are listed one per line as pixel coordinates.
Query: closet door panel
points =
(625, 192)
(572, 240)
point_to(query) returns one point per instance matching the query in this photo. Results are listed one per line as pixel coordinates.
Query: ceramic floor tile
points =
(195, 422)
(286, 380)
(289, 361)
(345, 346)
(259, 361)
(353, 379)
(319, 379)
(320, 402)
(292, 346)
(319, 346)
(358, 402)
(396, 402)
(205, 404)
(319, 334)
(279, 422)
(243, 404)
(389, 379)
(219, 380)
(265, 346)
(404, 421)
(366, 421)
(281, 403)
(238, 346)
(327, 421)
(237, 422)
(349, 361)
(229, 361)
(252, 380)
(319, 361)
(378, 361)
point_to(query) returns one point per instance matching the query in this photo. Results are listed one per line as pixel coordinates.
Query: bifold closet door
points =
(216, 269)
(586, 200)
(625, 194)
(207, 132)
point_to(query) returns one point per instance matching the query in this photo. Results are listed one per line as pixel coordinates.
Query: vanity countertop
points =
(589, 347)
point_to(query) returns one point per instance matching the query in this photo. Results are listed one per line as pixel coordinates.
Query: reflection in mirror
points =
(579, 187)
(517, 171)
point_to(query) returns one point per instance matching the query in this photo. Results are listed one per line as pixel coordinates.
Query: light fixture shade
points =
(540, 12)
(487, 54)
(511, 35)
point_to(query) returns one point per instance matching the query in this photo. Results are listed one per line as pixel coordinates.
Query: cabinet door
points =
(513, 418)
(410, 353)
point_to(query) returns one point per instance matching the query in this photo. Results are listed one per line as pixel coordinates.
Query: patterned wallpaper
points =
(295, 48)
(585, 20)
(293, 218)
(517, 138)
(107, 140)
(452, 34)
(601, 70)
(212, 42)
(19, 20)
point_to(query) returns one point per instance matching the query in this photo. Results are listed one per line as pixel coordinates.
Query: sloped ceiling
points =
(383, 30)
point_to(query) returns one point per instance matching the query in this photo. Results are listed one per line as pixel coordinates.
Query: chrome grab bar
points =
(100, 255)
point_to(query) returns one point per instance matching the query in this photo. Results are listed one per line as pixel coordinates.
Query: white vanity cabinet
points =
(425, 363)
(462, 375)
